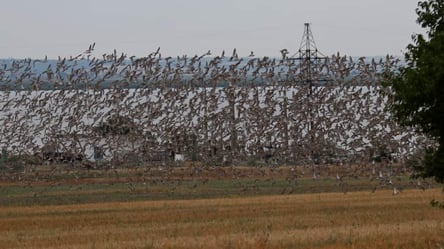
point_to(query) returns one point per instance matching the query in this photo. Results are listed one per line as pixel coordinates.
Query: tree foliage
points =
(116, 125)
(418, 87)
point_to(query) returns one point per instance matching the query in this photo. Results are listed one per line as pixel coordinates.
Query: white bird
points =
(395, 191)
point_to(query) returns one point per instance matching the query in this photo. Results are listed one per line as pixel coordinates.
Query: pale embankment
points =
(319, 220)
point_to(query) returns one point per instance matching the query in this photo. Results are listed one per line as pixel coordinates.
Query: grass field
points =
(61, 184)
(231, 207)
(317, 220)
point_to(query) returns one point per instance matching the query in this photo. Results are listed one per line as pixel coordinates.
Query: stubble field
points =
(228, 207)
(317, 220)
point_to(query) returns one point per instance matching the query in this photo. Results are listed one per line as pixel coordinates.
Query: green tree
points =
(418, 86)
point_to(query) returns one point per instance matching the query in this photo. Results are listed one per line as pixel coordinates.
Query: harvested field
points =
(316, 220)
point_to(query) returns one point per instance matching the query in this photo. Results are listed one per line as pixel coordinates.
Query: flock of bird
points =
(209, 108)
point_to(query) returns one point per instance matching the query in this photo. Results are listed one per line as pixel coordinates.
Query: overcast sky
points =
(31, 28)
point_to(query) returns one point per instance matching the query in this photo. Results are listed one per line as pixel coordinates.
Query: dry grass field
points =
(315, 220)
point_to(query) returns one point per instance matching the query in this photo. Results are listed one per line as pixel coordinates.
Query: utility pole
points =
(310, 60)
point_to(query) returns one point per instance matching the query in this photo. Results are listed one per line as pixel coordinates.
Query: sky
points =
(35, 29)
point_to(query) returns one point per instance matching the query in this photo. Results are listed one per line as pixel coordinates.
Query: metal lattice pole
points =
(309, 62)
